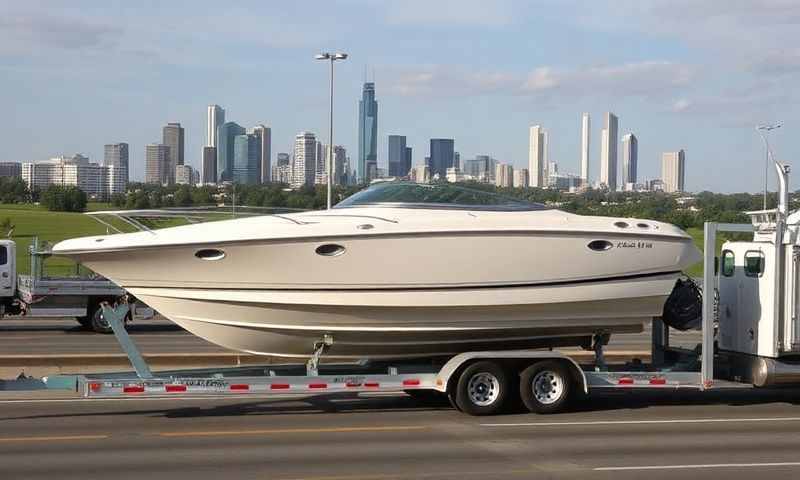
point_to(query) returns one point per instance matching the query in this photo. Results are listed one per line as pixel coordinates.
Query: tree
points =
(59, 198)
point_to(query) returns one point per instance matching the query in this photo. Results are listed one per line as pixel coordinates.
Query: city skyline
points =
(115, 82)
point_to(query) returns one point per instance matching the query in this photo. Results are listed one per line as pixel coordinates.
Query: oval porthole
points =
(209, 254)
(365, 226)
(330, 250)
(600, 245)
(621, 224)
(642, 225)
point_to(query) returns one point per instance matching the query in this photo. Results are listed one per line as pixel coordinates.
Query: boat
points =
(400, 270)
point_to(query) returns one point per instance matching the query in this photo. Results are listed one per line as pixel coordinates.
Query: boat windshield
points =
(437, 196)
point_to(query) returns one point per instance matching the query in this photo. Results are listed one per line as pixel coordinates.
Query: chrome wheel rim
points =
(483, 389)
(548, 387)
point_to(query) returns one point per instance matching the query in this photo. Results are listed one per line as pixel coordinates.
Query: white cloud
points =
(459, 13)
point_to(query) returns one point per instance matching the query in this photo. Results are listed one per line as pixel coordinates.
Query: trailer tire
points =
(86, 322)
(482, 389)
(99, 323)
(546, 387)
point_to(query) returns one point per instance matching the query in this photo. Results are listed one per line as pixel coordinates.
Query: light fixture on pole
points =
(761, 129)
(332, 57)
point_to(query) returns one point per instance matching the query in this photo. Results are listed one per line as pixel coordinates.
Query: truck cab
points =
(8, 271)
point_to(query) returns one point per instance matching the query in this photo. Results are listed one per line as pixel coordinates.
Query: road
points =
(665, 435)
(32, 336)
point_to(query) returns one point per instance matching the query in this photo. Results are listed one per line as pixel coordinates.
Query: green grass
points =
(35, 221)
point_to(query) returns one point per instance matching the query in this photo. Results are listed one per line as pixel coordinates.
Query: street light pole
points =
(761, 129)
(332, 57)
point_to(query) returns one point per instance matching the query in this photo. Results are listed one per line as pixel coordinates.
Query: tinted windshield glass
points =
(414, 195)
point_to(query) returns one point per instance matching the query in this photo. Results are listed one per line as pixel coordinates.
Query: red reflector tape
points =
(371, 384)
(279, 386)
(411, 382)
(133, 389)
(658, 381)
(625, 381)
(95, 387)
(317, 385)
(352, 384)
(240, 386)
(175, 388)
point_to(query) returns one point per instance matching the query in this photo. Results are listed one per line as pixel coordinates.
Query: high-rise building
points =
(673, 171)
(420, 174)
(209, 165)
(216, 117)
(481, 168)
(442, 156)
(246, 159)
(504, 176)
(521, 178)
(407, 161)
(116, 155)
(586, 125)
(630, 156)
(282, 170)
(156, 163)
(10, 169)
(339, 168)
(397, 156)
(457, 161)
(608, 152)
(264, 135)
(305, 160)
(186, 175)
(173, 138)
(98, 181)
(226, 136)
(536, 157)
(367, 131)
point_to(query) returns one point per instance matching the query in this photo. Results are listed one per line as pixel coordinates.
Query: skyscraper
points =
(630, 156)
(407, 161)
(282, 170)
(209, 165)
(156, 164)
(216, 117)
(521, 178)
(321, 170)
(173, 139)
(367, 131)
(504, 176)
(116, 155)
(673, 170)
(225, 145)
(608, 152)
(305, 159)
(246, 159)
(536, 157)
(585, 131)
(442, 156)
(397, 156)
(264, 135)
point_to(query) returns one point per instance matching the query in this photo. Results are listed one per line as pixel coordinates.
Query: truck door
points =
(7, 270)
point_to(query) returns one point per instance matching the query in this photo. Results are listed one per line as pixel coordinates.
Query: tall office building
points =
(186, 175)
(282, 170)
(407, 161)
(630, 156)
(586, 125)
(521, 178)
(215, 119)
(504, 176)
(305, 160)
(397, 156)
(156, 164)
(457, 161)
(246, 159)
(482, 168)
(673, 170)
(98, 181)
(226, 136)
(116, 155)
(608, 152)
(339, 160)
(264, 135)
(536, 157)
(209, 165)
(173, 139)
(11, 169)
(367, 132)
(442, 156)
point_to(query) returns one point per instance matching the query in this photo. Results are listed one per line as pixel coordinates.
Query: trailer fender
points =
(456, 363)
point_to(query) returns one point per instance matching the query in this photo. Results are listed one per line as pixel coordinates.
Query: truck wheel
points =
(482, 389)
(545, 387)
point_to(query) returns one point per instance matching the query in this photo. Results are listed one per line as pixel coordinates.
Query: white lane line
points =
(699, 466)
(643, 422)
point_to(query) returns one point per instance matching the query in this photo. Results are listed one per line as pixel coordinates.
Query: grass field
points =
(35, 221)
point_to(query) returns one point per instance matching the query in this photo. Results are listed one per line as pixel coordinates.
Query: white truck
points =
(39, 295)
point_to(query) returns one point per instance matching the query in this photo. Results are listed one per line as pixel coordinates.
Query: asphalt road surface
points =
(732, 435)
(43, 336)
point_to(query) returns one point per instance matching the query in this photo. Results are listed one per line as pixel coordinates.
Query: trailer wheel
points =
(546, 387)
(482, 389)
(86, 322)
(99, 323)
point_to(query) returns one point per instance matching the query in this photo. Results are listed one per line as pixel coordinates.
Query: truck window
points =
(728, 263)
(3, 255)
(753, 263)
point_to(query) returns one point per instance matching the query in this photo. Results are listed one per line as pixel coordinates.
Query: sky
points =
(680, 74)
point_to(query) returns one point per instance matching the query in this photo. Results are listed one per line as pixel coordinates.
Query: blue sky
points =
(696, 75)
